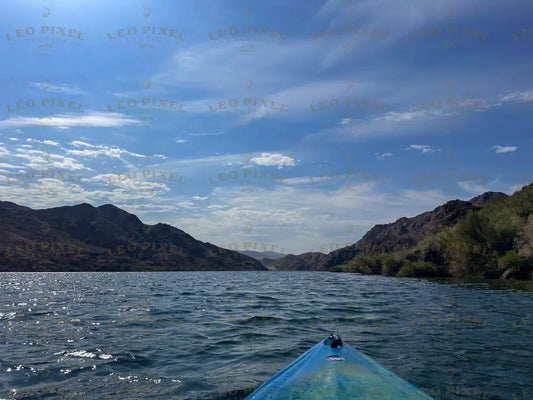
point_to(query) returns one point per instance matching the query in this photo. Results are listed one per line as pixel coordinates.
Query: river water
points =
(219, 335)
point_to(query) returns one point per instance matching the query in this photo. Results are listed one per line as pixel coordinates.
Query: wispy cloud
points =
(100, 150)
(242, 159)
(345, 121)
(424, 148)
(517, 97)
(58, 88)
(382, 156)
(402, 116)
(47, 142)
(186, 204)
(134, 185)
(39, 159)
(472, 188)
(11, 166)
(94, 119)
(314, 216)
(504, 149)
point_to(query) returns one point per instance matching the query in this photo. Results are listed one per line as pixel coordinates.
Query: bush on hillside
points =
(390, 265)
(417, 268)
(514, 265)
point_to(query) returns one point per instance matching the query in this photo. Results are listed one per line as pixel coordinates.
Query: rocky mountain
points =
(488, 197)
(403, 233)
(267, 258)
(105, 238)
(313, 261)
(407, 232)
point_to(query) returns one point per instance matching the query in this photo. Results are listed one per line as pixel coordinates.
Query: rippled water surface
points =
(219, 335)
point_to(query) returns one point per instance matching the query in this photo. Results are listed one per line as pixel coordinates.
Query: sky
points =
(274, 125)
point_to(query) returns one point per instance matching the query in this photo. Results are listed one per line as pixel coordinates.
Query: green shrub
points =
(515, 265)
(368, 264)
(510, 260)
(339, 268)
(417, 269)
(525, 238)
(497, 238)
(390, 265)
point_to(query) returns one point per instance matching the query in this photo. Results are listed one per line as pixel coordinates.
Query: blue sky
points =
(288, 126)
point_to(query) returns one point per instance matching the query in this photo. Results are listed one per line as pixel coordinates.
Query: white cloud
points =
(101, 150)
(424, 148)
(94, 119)
(472, 188)
(186, 204)
(67, 163)
(79, 143)
(129, 182)
(45, 193)
(382, 156)
(504, 149)
(181, 141)
(150, 207)
(47, 142)
(199, 198)
(402, 116)
(273, 159)
(345, 121)
(39, 159)
(58, 88)
(300, 218)
(517, 97)
(300, 180)
(193, 163)
(216, 207)
(6, 165)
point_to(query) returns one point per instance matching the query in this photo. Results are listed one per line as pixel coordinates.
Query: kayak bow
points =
(333, 370)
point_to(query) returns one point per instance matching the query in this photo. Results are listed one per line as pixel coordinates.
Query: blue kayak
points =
(333, 370)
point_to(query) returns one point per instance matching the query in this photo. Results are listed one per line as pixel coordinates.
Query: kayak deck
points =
(328, 372)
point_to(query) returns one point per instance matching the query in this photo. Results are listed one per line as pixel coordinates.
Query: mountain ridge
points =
(103, 238)
(404, 232)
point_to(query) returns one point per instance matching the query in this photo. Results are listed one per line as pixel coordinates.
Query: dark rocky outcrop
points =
(487, 197)
(304, 262)
(314, 261)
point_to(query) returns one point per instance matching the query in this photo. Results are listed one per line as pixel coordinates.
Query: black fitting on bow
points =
(334, 341)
